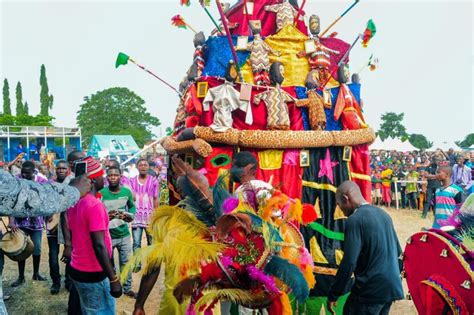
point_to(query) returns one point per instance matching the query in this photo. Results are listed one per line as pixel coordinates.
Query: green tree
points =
(20, 110)
(169, 131)
(46, 100)
(26, 108)
(467, 142)
(116, 111)
(392, 127)
(420, 142)
(7, 110)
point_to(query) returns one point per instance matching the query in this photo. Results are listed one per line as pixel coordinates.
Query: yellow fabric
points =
(361, 176)
(338, 214)
(320, 186)
(289, 41)
(339, 253)
(316, 252)
(317, 208)
(270, 159)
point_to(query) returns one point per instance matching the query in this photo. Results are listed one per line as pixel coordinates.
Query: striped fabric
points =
(446, 201)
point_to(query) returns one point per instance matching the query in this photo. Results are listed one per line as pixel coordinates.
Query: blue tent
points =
(112, 145)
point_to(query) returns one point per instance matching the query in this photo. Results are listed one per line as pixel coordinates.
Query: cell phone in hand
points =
(80, 168)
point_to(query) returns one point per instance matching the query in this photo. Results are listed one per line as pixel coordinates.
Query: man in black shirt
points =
(433, 184)
(371, 252)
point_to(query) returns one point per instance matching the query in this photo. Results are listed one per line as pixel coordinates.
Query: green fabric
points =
(326, 232)
(314, 304)
(121, 201)
(411, 187)
(122, 59)
(371, 27)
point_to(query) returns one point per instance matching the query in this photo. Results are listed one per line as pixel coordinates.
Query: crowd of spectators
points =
(405, 178)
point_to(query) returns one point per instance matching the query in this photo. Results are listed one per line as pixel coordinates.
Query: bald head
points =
(349, 197)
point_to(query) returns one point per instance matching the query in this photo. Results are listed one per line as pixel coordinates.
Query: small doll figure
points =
(198, 57)
(276, 100)
(320, 58)
(347, 108)
(225, 100)
(314, 102)
(259, 55)
(285, 13)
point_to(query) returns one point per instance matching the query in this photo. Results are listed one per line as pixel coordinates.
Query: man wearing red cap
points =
(91, 267)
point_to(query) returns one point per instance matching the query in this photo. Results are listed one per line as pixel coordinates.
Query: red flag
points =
(178, 21)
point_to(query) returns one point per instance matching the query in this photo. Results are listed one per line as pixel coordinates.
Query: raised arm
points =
(24, 198)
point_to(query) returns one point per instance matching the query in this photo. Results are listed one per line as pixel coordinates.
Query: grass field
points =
(34, 298)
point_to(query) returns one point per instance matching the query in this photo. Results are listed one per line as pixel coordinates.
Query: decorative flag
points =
(178, 21)
(369, 32)
(122, 59)
(185, 2)
(373, 63)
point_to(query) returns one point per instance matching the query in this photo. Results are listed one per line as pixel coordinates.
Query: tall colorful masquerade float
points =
(264, 82)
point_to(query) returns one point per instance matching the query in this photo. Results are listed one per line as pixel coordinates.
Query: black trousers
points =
(354, 307)
(430, 196)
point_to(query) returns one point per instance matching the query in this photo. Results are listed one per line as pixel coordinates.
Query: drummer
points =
(31, 226)
(20, 197)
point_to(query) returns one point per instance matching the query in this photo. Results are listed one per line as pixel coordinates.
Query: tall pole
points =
(229, 38)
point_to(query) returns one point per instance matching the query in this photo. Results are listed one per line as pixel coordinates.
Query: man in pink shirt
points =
(91, 267)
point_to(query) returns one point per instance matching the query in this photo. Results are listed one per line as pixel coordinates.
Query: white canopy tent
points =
(392, 144)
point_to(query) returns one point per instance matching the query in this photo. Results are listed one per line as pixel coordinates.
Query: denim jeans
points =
(95, 297)
(35, 238)
(124, 248)
(137, 233)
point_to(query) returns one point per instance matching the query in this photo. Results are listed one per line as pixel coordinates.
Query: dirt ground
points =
(34, 298)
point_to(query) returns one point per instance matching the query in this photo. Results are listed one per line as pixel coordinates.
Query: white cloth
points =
(225, 100)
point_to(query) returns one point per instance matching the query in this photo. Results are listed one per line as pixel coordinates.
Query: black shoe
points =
(131, 294)
(55, 288)
(18, 282)
(39, 277)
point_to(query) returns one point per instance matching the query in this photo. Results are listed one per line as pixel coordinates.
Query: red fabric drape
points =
(360, 164)
(268, 19)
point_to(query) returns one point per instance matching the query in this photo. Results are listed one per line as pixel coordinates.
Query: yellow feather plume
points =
(179, 239)
(237, 296)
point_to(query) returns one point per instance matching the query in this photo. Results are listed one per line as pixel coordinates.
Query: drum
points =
(17, 246)
(52, 225)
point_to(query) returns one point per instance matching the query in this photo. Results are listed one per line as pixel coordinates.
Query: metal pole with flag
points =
(123, 59)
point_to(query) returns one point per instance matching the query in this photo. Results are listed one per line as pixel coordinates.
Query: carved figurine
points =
(320, 58)
(259, 55)
(198, 57)
(276, 100)
(314, 102)
(347, 108)
(285, 13)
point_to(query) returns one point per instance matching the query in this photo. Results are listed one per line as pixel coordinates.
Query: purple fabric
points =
(461, 176)
(144, 195)
(32, 223)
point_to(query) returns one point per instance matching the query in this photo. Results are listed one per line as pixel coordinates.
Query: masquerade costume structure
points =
(302, 120)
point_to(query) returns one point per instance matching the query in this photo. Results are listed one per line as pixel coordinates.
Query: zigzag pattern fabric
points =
(275, 99)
